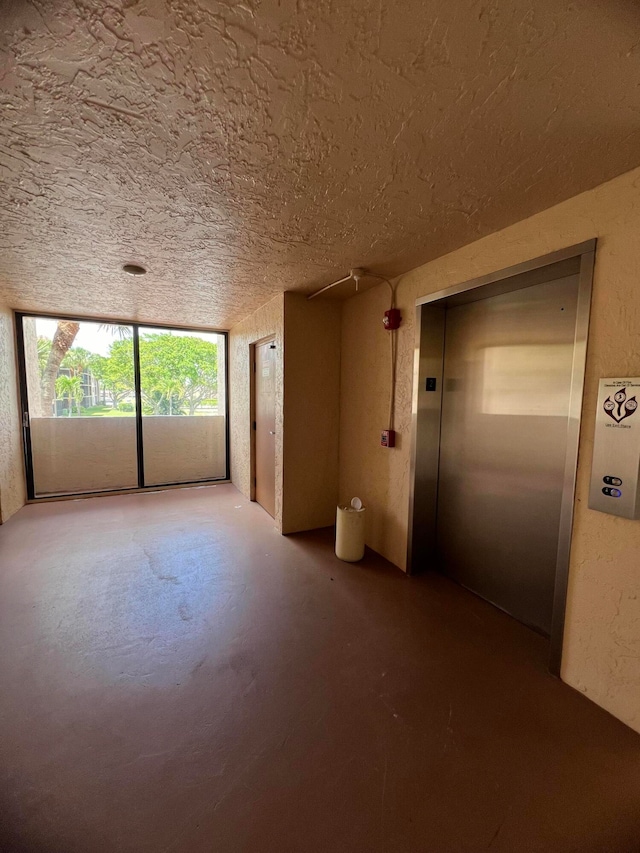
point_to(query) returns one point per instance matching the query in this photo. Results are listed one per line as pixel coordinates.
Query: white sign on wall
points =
(616, 448)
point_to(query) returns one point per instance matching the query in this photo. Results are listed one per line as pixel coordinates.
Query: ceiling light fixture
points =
(134, 269)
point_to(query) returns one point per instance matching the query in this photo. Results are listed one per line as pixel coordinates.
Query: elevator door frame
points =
(427, 406)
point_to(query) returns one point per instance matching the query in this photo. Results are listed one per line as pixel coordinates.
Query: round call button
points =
(612, 481)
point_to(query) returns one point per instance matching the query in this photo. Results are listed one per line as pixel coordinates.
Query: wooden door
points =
(265, 425)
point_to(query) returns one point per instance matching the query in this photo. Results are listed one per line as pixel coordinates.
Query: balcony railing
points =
(75, 455)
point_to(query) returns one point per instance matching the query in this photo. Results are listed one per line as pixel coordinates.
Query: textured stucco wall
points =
(12, 487)
(602, 639)
(311, 412)
(265, 322)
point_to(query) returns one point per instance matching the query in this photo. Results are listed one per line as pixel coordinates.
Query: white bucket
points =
(350, 532)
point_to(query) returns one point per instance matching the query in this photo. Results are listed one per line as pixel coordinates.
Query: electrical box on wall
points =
(616, 448)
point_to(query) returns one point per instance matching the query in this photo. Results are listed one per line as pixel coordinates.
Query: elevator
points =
(499, 370)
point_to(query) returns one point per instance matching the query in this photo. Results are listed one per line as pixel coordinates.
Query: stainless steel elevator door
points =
(505, 406)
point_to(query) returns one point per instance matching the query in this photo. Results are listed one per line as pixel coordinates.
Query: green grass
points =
(108, 412)
(103, 412)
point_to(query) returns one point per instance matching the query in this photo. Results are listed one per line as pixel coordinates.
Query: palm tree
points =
(77, 360)
(63, 339)
(62, 342)
(172, 388)
(44, 348)
(70, 387)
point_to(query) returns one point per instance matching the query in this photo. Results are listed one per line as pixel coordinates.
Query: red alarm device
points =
(392, 319)
(388, 438)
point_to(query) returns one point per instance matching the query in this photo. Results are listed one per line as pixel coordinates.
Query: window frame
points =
(19, 317)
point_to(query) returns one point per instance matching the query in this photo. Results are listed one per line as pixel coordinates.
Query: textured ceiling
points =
(238, 149)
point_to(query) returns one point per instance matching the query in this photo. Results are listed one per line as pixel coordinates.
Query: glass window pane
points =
(182, 383)
(80, 390)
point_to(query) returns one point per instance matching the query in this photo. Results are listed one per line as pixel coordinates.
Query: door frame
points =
(427, 406)
(135, 326)
(252, 409)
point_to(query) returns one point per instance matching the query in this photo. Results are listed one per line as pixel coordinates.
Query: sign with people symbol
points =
(621, 406)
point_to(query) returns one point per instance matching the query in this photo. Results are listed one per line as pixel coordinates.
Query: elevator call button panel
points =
(616, 449)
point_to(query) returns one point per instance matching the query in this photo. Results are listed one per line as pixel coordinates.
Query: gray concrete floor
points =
(178, 678)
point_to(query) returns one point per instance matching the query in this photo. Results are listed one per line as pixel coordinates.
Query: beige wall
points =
(311, 412)
(263, 323)
(378, 475)
(92, 454)
(12, 485)
(307, 407)
(602, 639)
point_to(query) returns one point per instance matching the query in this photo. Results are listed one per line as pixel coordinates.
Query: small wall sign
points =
(616, 448)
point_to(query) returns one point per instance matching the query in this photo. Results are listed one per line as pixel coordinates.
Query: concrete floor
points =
(177, 678)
